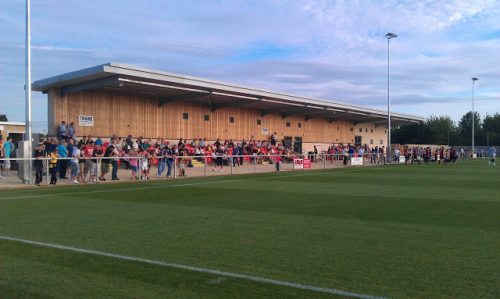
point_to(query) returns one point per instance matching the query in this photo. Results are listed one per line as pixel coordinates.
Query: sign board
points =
(474, 156)
(307, 163)
(86, 121)
(265, 131)
(2, 128)
(357, 161)
(402, 159)
(298, 163)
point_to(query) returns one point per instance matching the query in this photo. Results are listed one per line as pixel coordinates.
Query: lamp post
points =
(474, 79)
(27, 91)
(389, 149)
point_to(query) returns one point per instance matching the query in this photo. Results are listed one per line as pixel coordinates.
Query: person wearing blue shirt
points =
(493, 153)
(62, 152)
(98, 141)
(62, 130)
(8, 148)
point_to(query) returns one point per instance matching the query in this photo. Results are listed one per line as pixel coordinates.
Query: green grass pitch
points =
(396, 231)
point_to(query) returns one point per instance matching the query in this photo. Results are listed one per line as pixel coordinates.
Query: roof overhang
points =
(169, 87)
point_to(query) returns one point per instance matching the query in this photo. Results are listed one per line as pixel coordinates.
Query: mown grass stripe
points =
(194, 269)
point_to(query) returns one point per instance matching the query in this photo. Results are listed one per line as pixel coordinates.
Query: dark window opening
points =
(185, 115)
(231, 119)
(206, 117)
(299, 125)
(259, 122)
(288, 124)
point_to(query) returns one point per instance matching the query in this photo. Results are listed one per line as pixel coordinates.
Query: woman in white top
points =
(75, 168)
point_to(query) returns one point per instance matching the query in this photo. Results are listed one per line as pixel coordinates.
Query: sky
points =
(324, 49)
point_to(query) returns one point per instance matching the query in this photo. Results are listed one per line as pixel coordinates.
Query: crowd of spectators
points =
(88, 159)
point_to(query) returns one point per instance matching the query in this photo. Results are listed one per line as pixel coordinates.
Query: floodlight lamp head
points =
(474, 79)
(390, 35)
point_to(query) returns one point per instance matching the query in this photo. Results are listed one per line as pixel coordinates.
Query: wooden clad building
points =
(121, 99)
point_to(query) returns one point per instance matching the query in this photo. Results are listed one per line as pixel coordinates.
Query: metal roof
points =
(168, 87)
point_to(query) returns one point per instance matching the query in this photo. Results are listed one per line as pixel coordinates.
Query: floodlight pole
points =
(389, 149)
(27, 91)
(473, 87)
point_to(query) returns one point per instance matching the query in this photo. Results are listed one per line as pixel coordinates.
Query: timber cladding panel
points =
(120, 114)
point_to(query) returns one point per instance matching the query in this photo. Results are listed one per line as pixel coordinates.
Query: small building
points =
(15, 130)
(119, 99)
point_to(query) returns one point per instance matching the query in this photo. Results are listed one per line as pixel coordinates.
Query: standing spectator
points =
(170, 160)
(493, 152)
(39, 154)
(97, 154)
(133, 163)
(8, 149)
(162, 153)
(74, 166)
(277, 161)
(62, 130)
(71, 131)
(219, 153)
(62, 152)
(114, 162)
(53, 166)
(82, 163)
(273, 139)
(105, 163)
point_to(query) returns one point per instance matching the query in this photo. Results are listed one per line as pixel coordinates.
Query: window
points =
(206, 117)
(299, 125)
(259, 122)
(338, 128)
(185, 115)
(372, 131)
(385, 132)
(366, 130)
(231, 119)
(381, 141)
(288, 124)
(352, 129)
(360, 130)
(371, 141)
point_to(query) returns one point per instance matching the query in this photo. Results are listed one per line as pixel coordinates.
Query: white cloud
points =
(318, 48)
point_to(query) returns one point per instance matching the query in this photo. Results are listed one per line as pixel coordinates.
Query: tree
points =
(491, 127)
(465, 129)
(442, 130)
(3, 117)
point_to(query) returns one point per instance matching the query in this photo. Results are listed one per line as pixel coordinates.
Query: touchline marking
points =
(194, 269)
(152, 187)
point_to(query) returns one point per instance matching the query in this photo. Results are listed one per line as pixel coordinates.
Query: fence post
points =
(231, 164)
(254, 163)
(98, 166)
(324, 161)
(205, 165)
(175, 166)
(46, 171)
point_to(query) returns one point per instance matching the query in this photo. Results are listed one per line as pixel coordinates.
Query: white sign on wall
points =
(298, 163)
(357, 161)
(265, 131)
(402, 159)
(86, 121)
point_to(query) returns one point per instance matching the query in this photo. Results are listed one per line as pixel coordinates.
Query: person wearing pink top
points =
(133, 164)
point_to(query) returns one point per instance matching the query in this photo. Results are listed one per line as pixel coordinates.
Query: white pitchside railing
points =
(193, 165)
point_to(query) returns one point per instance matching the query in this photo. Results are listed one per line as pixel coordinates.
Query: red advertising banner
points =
(307, 163)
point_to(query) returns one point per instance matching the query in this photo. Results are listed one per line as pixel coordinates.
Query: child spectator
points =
(53, 166)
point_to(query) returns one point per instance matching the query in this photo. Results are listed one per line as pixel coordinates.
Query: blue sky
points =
(332, 50)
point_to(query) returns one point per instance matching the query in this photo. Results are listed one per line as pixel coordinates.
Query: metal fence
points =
(96, 170)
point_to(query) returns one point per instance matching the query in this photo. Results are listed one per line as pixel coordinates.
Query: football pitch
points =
(426, 231)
